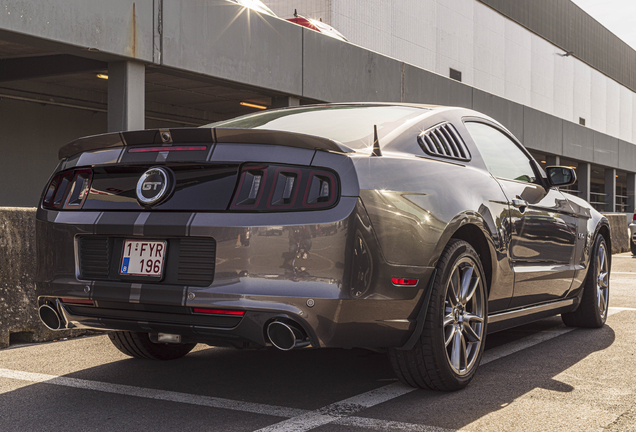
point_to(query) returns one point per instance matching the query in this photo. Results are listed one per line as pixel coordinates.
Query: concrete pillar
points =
(553, 161)
(610, 189)
(126, 96)
(631, 193)
(584, 174)
(285, 101)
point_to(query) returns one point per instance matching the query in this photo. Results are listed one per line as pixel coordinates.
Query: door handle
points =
(519, 203)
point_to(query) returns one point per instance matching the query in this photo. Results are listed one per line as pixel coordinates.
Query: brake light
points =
(404, 282)
(634, 219)
(68, 189)
(284, 188)
(218, 311)
(167, 148)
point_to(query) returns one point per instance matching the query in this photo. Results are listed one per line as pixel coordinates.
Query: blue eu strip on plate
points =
(124, 265)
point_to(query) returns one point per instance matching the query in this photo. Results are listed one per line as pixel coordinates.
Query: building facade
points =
(561, 82)
(550, 56)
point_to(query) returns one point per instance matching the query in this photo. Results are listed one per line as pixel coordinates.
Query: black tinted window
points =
(351, 125)
(501, 155)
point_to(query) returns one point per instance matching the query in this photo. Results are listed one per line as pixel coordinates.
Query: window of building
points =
(456, 75)
(501, 155)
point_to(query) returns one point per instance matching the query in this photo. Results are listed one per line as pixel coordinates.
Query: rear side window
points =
(501, 155)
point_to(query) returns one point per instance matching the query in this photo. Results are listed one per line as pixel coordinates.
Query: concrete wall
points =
(620, 232)
(32, 133)
(19, 320)
(220, 39)
(494, 53)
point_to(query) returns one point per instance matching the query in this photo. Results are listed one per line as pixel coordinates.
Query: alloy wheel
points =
(463, 324)
(602, 279)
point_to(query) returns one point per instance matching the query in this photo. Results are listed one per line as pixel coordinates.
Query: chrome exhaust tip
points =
(50, 317)
(286, 336)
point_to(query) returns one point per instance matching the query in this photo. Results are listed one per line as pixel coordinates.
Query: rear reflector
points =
(404, 282)
(218, 311)
(167, 148)
(86, 302)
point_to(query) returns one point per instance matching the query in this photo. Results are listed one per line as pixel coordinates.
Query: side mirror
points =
(561, 175)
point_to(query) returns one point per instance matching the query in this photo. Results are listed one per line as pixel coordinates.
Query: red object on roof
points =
(318, 26)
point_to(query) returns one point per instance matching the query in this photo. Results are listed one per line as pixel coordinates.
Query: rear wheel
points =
(448, 352)
(632, 246)
(592, 312)
(140, 346)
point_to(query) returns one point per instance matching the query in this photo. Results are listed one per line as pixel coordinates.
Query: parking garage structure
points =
(70, 69)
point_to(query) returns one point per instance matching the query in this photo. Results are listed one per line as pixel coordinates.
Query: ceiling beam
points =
(23, 68)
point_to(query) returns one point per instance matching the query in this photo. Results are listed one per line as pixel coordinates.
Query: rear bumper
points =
(338, 299)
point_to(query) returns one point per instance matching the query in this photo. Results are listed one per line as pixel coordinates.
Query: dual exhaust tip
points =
(287, 335)
(50, 317)
(284, 335)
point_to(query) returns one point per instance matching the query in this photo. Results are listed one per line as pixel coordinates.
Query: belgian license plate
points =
(143, 258)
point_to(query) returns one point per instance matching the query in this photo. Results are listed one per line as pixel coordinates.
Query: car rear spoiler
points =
(201, 136)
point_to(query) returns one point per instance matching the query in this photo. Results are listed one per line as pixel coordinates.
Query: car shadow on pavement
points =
(309, 379)
(503, 381)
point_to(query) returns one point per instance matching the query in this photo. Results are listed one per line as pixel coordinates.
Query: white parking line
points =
(339, 412)
(624, 273)
(147, 393)
(388, 425)
(298, 420)
(527, 342)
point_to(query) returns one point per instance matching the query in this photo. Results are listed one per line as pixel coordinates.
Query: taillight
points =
(634, 219)
(68, 189)
(284, 188)
(79, 189)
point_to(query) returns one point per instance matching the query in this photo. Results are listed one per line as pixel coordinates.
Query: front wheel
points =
(592, 312)
(448, 352)
(140, 346)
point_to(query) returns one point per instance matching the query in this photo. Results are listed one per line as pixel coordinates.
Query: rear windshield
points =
(350, 125)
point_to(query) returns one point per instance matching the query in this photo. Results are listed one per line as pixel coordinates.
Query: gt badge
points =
(154, 186)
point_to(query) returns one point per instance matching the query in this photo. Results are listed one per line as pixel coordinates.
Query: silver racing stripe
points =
(97, 222)
(135, 293)
(138, 228)
(189, 224)
(162, 156)
(183, 295)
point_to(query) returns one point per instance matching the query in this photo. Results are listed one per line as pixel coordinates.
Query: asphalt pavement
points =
(543, 376)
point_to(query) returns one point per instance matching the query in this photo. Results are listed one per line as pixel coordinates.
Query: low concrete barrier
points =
(620, 232)
(19, 321)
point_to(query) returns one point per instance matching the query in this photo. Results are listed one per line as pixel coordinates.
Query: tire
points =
(448, 352)
(140, 346)
(592, 311)
(632, 247)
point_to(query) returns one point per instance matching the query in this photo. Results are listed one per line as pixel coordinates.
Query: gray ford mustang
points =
(411, 228)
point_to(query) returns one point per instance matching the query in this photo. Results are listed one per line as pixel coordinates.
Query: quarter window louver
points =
(444, 141)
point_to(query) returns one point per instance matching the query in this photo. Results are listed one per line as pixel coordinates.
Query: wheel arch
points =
(473, 235)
